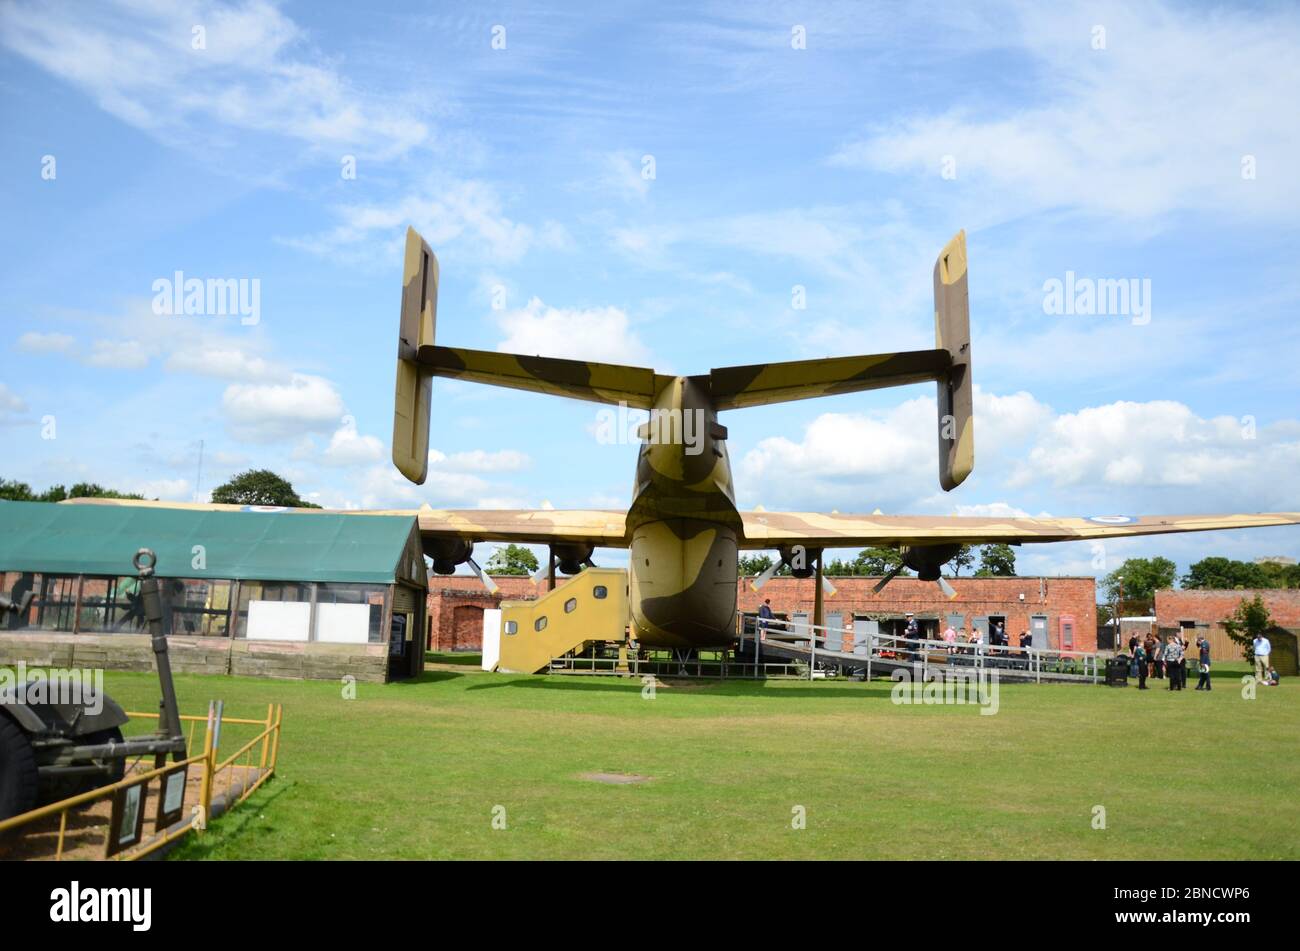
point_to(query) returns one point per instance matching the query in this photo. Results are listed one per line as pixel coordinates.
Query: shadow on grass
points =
(428, 677)
(233, 823)
(873, 690)
(456, 659)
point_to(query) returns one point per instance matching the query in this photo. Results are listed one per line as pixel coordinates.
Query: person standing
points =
(1140, 659)
(1262, 649)
(912, 633)
(1203, 646)
(950, 638)
(1172, 654)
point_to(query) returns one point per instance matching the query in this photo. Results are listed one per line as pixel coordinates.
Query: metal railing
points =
(1042, 663)
(267, 746)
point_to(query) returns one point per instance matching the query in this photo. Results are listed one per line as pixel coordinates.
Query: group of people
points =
(972, 638)
(1150, 657)
(1167, 660)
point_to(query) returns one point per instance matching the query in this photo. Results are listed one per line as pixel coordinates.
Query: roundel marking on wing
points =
(265, 508)
(1113, 519)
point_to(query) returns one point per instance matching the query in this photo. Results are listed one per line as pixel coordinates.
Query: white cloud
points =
(1158, 121)
(1160, 444)
(255, 73)
(170, 490)
(33, 342)
(120, 354)
(12, 406)
(270, 412)
(466, 215)
(1158, 456)
(600, 334)
(480, 461)
(347, 447)
(224, 361)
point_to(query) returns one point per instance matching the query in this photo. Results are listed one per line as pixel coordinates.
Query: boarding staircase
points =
(591, 606)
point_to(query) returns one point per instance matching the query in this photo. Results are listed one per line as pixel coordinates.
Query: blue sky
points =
(213, 139)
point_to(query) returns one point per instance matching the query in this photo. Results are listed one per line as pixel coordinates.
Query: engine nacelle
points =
(447, 553)
(928, 560)
(802, 561)
(572, 556)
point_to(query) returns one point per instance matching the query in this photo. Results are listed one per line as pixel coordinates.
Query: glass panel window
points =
(197, 607)
(570, 606)
(275, 623)
(512, 627)
(600, 592)
(53, 601)
(540, 623)
(111, 606)
(349, 613)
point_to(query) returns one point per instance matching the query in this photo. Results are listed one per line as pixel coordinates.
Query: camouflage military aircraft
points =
(683, 528)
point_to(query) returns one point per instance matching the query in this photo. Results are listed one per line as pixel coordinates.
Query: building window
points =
(570, 606)
(349, 613)
(52, 607)
(600, 592)
(540, 623)
(111, 606)
(197, 607)
(274, 611)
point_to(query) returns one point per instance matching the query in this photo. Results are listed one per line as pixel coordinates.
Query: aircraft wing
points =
(604, 528)
(816, 530)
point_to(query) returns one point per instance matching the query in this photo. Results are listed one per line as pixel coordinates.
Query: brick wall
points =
(457, 602)
(1209, 608)
(1053, 597)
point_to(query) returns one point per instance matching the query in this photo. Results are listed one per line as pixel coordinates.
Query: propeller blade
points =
(880, 585)
(828, 586)
(483, 576)
(946, 588)
(542, 573)
(588, 563)
(766, 576)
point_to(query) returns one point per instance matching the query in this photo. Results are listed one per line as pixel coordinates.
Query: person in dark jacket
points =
(1203, 645)
(1140, 659)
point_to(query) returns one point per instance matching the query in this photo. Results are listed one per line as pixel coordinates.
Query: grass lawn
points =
(414, 770)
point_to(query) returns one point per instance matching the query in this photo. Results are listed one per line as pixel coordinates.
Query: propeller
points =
(483, 576)
(946, 588)
(768, 574)
(894, 573)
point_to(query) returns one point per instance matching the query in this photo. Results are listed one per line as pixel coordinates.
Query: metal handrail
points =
(1040, 659)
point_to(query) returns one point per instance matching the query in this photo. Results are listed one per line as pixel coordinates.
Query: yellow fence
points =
(231, 780)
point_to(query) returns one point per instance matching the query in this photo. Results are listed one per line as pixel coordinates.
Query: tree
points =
(753, 564)
(1249, 621)
(15, 491)
(996, 561)
(512, 560)
(1226, 574)
(259, 487)
(964, 558)
(879, 561)
(1142, 578)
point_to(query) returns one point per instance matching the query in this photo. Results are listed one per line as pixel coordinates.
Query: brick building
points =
(1062, 610)
(456, 605)
(1202, 612)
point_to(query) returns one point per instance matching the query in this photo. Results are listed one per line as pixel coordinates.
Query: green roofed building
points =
(277, 593)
